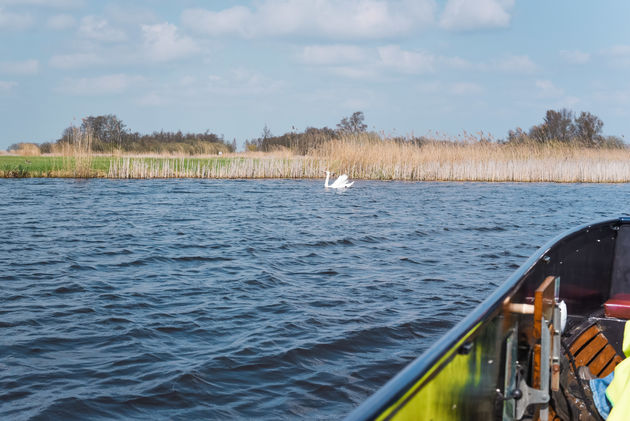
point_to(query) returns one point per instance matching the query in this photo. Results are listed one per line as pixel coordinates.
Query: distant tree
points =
(233, 146)
(67, 136)
(109, 133)
(105, 128)
(558, 125)
(352, 124)
(46, 147)
(612, 142)
(564, 126)
(251, 145)
(265, 134)
(539, 133)
(517, 136)
(589, 128)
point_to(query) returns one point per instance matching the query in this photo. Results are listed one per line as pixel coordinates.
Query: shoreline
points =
(547, 169)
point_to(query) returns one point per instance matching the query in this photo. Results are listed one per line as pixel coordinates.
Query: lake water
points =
(223, 299)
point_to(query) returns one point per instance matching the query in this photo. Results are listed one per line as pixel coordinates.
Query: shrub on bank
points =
(25, 149)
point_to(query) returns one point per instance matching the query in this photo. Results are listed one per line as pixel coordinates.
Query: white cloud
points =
(152, 99)
(392, 56)
(163, 43)
(237, 20)
(6, 86)
(354, 72)
(575, 56)
(98, 29)
(618, 50)
(187, 81)
(515, 64)
(26, 67)
(128, 14)
(100, 85)
(347, 19)
(619, 55)
(15, 21)
(58, 4)
(60, 22)
(455, 62)
(77, 60)
(360, 62)
(547, 89)
(332, 54)
(476, 14)
(618, 97)
(242, 81)
(568, 102)
(465, 88)
(201, 91)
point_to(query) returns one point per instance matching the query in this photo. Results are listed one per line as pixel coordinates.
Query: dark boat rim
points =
(415, 370)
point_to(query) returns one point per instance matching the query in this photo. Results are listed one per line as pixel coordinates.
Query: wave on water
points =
(232, 299)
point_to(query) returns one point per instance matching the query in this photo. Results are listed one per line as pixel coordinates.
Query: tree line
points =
(109, 134)
(558, 126)
(563, 126)
(311, 138)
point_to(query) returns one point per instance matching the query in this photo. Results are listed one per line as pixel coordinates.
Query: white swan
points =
(340, 183)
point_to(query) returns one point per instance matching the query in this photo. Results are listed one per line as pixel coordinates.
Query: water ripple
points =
(271, 299)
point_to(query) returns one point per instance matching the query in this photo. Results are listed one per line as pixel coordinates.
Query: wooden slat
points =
(544, 303)
(610, 367)
(536, 367)
(585, 337)
(602, 359)
(590, 351)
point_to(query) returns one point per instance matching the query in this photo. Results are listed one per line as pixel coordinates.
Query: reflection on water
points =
(272, 299)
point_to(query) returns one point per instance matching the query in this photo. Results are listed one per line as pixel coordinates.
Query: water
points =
(188, 299)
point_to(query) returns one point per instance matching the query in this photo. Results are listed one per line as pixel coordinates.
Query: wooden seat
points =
(592, 349)
(618, 306)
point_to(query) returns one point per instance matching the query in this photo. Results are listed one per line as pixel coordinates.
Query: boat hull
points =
(472, 371)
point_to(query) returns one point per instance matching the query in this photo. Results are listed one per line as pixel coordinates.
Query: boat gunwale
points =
(397, 386)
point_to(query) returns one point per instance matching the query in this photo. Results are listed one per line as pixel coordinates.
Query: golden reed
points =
(371, 158)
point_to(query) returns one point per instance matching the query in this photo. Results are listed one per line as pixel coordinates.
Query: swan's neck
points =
(326, 182)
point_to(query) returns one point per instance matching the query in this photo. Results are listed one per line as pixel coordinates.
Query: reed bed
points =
(361, 157)
(231, 167)
(475, 161)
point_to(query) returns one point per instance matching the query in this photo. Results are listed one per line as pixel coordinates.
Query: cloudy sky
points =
(232, 67)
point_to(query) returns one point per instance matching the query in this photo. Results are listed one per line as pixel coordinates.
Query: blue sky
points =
(231, 67)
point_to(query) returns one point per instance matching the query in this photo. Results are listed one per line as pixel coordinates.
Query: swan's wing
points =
(341, 181)
(349, 184)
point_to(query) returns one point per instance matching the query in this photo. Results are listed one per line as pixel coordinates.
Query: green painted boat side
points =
(468, 373)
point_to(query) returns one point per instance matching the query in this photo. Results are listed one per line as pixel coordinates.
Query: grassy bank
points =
(234, 166)
(359, 157)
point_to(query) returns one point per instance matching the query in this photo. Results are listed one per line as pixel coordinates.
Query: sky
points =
(413, 67)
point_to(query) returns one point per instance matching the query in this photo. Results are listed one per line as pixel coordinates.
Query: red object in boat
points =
(618, 306)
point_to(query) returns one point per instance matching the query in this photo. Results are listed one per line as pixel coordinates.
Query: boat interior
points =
(529, 351)
(592, 289)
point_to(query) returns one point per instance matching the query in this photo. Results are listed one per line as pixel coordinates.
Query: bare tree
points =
(266, 133)
(560, 125)
(589, 128)
(106, 128)
(352, 124)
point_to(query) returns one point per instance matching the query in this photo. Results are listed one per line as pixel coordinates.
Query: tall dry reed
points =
(77, 155)
(365, 158)
(371, 158)
(231, 167)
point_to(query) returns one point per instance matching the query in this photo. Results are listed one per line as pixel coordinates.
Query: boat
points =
(517, 356)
